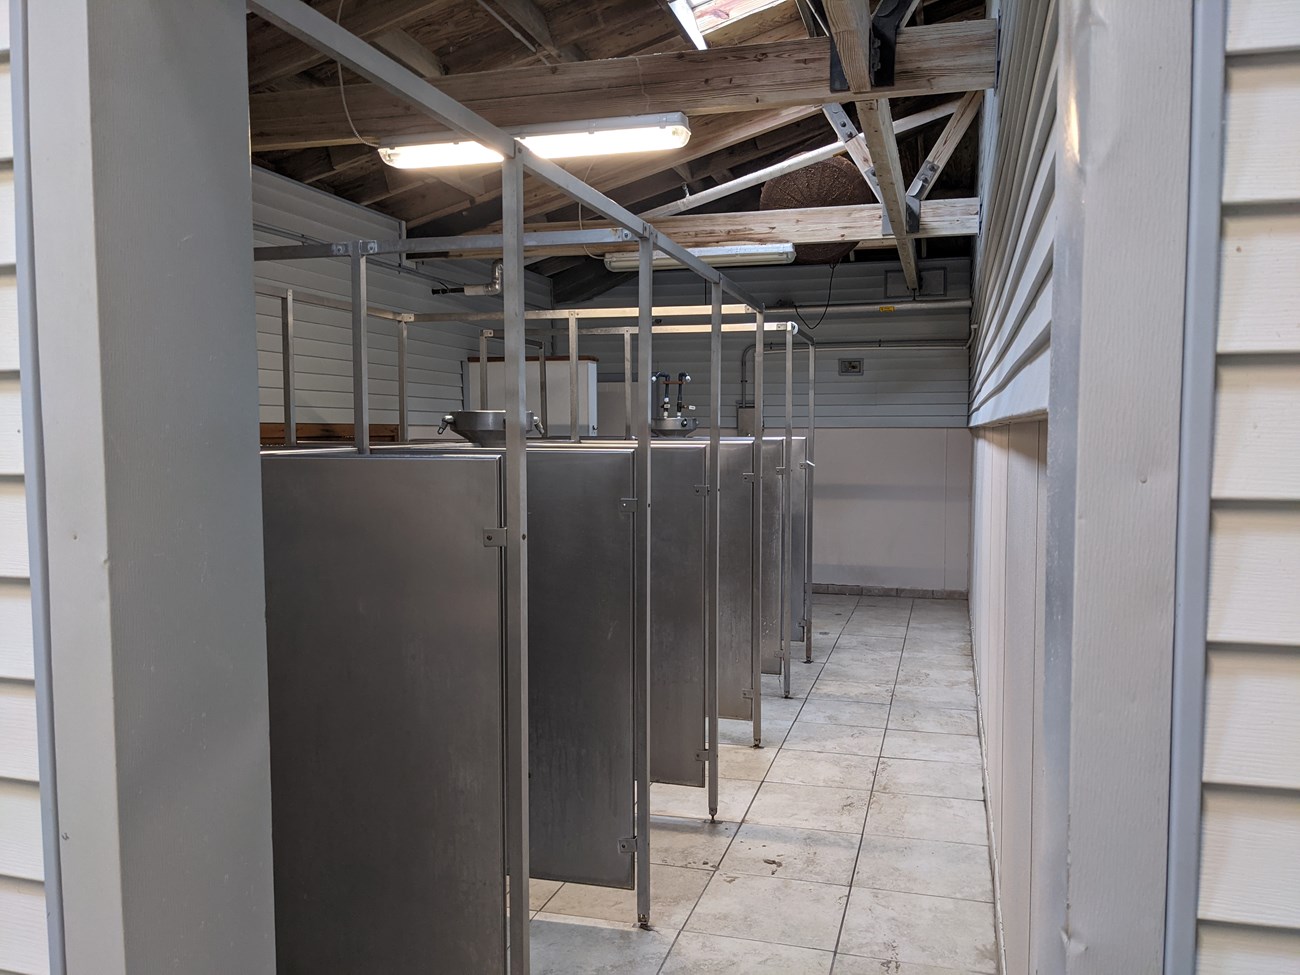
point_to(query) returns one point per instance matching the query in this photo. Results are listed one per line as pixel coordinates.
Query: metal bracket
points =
(885, 22)
(747, 693)
(929, 170)
(627, 844)
(911, 217)
(807, 465)
(701, 489)
(782, 471)
(627, 504)
(702, 755)
(748, 477)
(494, 538)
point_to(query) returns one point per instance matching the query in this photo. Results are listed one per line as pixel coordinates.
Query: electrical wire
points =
(830, 284)
(338, 19)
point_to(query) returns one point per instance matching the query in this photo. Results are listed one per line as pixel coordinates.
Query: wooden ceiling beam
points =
(273, 54)
(943, 58)
(878, 131)
(410, 53)
(860, 224)
(943, 149)
(529, 16)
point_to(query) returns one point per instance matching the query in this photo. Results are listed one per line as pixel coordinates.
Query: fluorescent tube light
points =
(564, 140)
(726, 255)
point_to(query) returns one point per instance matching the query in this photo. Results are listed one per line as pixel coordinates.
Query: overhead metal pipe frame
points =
(318, 31)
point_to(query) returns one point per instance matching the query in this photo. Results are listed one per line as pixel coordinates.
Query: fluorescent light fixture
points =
(725, 255)
(559, 140)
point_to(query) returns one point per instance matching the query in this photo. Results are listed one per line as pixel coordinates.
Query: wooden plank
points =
(1253, 555)
(404, 48)
(1257, 430)
(1252, 721)
(18, 732)
(273, 54)
(16, 661)
(20, 831)
(1259, 289)
(860, 224)
(850, 24)
(931, 60)
(1263, 27)
(877, 123)
(1261, 139)
(946, 145)
(1227, 950)
(1250, 848)
(24, 947)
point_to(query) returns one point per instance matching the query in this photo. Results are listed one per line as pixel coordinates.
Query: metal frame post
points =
(712, 554)
(756, 543)
(516, 521)
(787, 516)
(483, 368)
(360, 358)
(403, 417)
(810, 472)
(627, 385)
(286, 366)
(641, 735)
(574, 437)
(543, 413)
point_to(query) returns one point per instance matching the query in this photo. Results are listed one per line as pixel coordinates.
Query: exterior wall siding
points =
(1249, 899)
(23, 944)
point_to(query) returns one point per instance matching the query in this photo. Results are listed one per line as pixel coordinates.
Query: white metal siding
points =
(23, 945)
(1013, 279)
(287, 212)
(1250, 844)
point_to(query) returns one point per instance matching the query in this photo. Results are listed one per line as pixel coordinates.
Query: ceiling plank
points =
(860, 224)
(878, 130)
(273, 54)
(410, 53)
(946, 146)
(943, 58)
(529, 16)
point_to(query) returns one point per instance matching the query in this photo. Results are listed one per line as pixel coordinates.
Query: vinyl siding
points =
(23, 944)
(1013, 260)
(1249, 899)
(286, 212)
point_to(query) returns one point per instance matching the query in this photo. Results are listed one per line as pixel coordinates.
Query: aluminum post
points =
(483, 368)
(712, 553)
(810, 475)
(756, 543)
(645, 358)
(787, 516)
(403, 417)
(286, 356)
(574, 437)
(516, 518)
(627, 385)
(360, 358)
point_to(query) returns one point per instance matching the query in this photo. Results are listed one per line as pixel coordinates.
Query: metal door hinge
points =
(627, 844)
(807, 465)
(747, 694)
(494, 538)
(702, 755)
(701, 489)
(782, 471)
(747, 476)
(627, 504)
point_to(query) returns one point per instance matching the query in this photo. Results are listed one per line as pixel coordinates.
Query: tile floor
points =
(854, 843)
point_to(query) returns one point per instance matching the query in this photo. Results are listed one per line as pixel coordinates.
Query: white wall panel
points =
(1228, 950)
(1252, 718)
(1259, 289)
(1257, 430)
(23, 946)
(1250, 858)
(1262, 142)
(1254, 556)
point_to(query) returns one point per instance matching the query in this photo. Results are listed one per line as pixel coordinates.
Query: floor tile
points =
(946, 721)
(849, 667)
(744, 761)
(936, 697)
(809, 806)
(853, 965)
(712, 954)
(797, 767)
(927, 818)
(816, 736)
(952, 780)
(852, 713)
(879, 692)
(959, 870)
(952, 659)
(789, 912)
(891, 642)
(673, 893)
(939, 931)
(540, 891)
(689, 842)
(928, 746)
(792, 854)
(687, 802)
(920, 675)
(559, 947)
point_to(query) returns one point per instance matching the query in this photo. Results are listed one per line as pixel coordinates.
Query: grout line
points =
(870, 800)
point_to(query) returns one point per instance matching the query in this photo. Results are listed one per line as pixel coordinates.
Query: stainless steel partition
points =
(784, 564)
(735, 595)
(385, 672)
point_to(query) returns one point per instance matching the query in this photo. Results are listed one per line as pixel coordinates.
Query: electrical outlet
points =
(850, 367)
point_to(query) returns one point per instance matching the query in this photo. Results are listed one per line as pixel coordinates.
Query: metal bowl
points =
(674, 426)
(486, 428)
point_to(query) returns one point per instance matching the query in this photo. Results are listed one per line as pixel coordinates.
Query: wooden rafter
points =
(946, 146)
(878, 130)
(860, 224)
(850, 25)
(402, 47)
(943, 58)
(529, 16)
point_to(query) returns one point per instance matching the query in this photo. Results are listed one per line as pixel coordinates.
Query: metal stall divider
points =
(712, 571)
(810, 470)
(756, 541)
(786, 473)
(318, 31)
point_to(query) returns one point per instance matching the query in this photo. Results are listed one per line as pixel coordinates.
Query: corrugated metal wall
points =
(1250, 843)
(287, 212)
(23, 943)
(1013, 286)
(897, 388)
